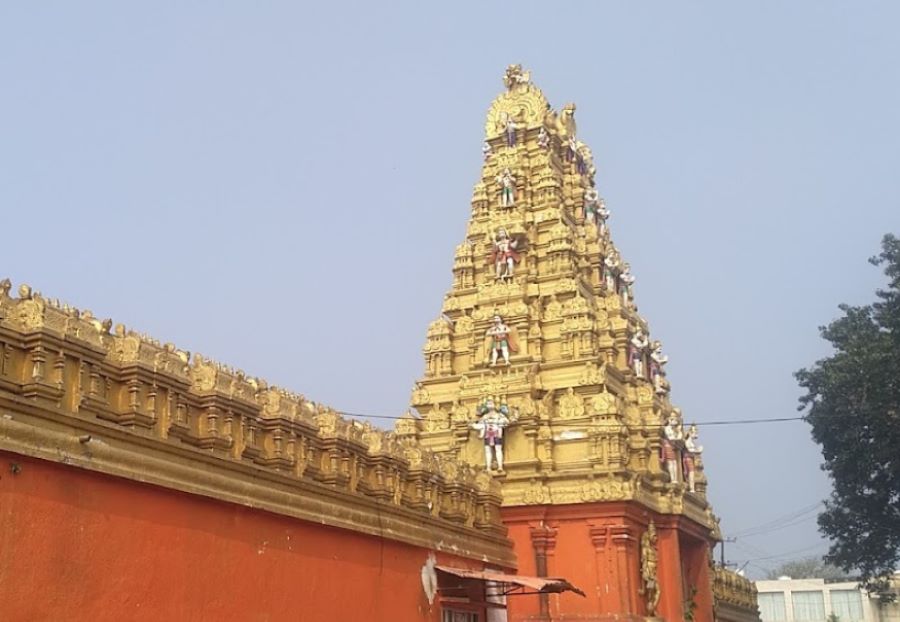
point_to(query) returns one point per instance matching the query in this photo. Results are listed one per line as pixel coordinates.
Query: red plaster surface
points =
(76, 545)
(597, 548)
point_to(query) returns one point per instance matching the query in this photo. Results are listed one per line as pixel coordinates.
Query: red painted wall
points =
(77, 545)
(596, 547)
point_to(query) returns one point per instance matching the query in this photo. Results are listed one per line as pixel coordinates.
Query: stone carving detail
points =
(602, 490)
(593, 374)
(571, 405)
(537, 494)
(76, 364)
(649, 568)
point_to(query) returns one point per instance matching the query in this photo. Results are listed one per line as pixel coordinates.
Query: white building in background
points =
(813, 600)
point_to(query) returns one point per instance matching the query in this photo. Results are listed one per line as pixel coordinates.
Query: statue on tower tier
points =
(636, 349)
(563, 125)
(572, 149)
(611, 271)
(657, 361)
(510, 129)
(591, 203)
(601, 216)
(501, 341)
(490, 425)
(505, 253)
(626, 285)
(543, 139)
(692, 451)
(673, 439)
(507, 188)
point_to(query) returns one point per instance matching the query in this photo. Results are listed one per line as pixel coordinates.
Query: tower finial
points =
(516, 76)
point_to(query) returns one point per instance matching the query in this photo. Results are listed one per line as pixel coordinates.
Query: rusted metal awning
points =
(512, 584)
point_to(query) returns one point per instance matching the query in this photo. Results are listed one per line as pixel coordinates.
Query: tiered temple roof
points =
(585, 390)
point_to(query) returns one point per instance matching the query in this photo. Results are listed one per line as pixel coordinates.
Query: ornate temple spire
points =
(540, 364)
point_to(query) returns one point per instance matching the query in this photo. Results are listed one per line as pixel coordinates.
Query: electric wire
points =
(601, 425)
(779, 522)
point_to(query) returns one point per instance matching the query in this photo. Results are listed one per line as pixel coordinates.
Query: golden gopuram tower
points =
(539, 351)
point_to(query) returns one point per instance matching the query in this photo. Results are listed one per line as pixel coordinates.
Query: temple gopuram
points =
(544, 476)
(541, 368)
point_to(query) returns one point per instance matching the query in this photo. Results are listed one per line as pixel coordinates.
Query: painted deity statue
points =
(501, 341)
(601, 216)
(626, 286)
(657, 362)
(673, 438)
(486, 150)
(492, 421)
(692, 451)
(510, 130)
(543, 139)
(610, 271)
(571, 149)
(507, 188)
(591, 203)
(504, 255)
(636, 348)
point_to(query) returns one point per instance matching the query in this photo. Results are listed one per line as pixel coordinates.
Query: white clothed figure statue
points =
(543, 139)
(490, 425)
(692, 451)
(602, 216)
(507, 188)
(486, 150)
(626, 279)
(673, 437)
(657, 362)
(510, 131)
(591, 205)
(610, 271)
(636, 348)
(504, 255)
(501, 341)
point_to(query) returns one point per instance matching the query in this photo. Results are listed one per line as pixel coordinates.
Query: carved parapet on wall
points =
(734, 595)
(61, 366)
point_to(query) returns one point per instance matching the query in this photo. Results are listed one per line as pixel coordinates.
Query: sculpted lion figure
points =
(562, 123)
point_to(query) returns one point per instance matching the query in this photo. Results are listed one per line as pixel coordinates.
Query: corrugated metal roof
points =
(543, 585)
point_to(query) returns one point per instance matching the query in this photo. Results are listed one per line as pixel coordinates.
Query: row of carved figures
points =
(494, 417)
(676, 440)
(647, 361)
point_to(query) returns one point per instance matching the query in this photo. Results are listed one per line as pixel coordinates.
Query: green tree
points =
(852, 401)
(809, 568)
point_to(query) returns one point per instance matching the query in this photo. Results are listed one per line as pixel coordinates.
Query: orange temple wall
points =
(77, 545)
(597, 548)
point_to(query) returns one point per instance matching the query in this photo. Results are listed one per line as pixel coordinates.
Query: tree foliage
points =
(809, 568)
(852, 401)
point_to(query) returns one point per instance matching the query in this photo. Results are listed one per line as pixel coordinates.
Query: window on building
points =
(771, 606)
(808, 605)
(847, 605)
(449, 615)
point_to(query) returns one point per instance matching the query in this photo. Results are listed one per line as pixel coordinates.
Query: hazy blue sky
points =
(281, 187)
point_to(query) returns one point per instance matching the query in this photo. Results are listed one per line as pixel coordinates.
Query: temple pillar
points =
(607, 582)
(698, 578)
(627, 555)
(543, 543)
(671, 581)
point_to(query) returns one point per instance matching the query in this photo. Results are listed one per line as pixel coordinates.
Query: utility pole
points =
(722, 549)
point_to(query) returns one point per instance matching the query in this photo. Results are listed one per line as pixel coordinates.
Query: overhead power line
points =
(606, 425)
(779, 522)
